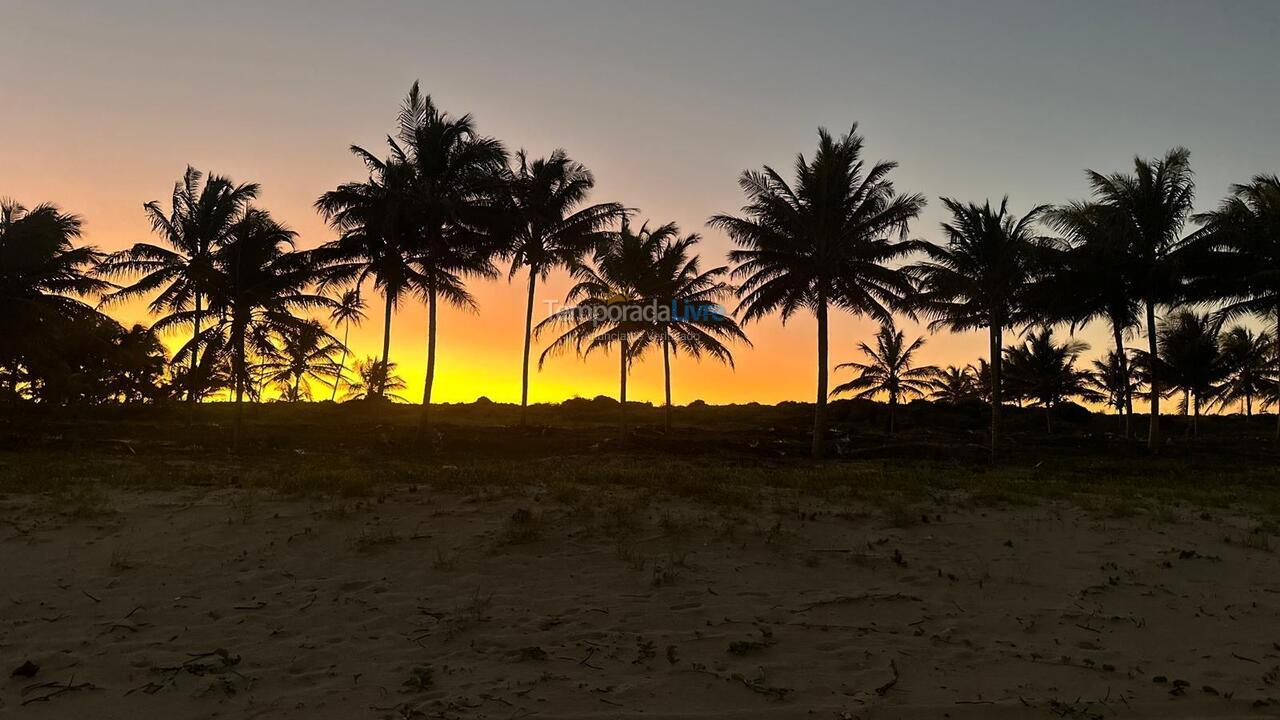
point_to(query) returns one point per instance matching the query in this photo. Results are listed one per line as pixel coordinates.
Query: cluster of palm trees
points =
(830, 238)
(443, 205)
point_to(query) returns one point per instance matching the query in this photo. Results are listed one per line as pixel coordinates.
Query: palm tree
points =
(258, 281)
(375, 225)
(980, 369)
(201, 213)
(349, 309)
(889, 370)
(306, 352)
(610, 293)
(693, 321)
(1190, 360)
(459, 209)
(824, 242)
(954, 385)
(1045, 372)
(374, 379)
(1097, 279)
(550, 230)
(1248, 358)
(43, 277)
(137, 360)
(1112, 378)
(1151, 205)
(1243, 235)
(979, 279)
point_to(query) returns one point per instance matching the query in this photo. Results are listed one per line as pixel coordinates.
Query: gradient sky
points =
(104, 104)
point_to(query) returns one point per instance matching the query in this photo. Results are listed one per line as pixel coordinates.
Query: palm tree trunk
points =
(1127, 410)
(193, 394)
(528, 339)
(431, 360)
(820, 409)
(622, 390)
(297, 383)
(666, 377)
(996, 338)
(1048, 420)
(386, 347)
(342, 364)
(1153, 434)
(893, 406)
(237, 382)
(1277, 361)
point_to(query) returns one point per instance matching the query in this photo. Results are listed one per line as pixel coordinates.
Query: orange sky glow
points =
(667, 105)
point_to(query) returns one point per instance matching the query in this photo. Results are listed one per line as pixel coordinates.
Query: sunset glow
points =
(116, 111)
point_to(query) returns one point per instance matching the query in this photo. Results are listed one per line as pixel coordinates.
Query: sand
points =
(224, 603)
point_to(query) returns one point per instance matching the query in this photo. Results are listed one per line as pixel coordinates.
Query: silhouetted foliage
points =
(549, 230)
(825, 241)
(1045, 373)
(889, 370)
(980, 279)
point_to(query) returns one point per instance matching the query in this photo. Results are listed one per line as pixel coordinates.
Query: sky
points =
(102, 106)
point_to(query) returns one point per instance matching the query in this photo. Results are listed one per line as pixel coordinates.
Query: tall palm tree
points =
(979, 279)
(1249, 361)
(348, 310)
(374, 379)
(889, 370)
(1097, 279)
(306, 352)
(201, 214)
(954, 385)
(43, 278)
(461, 213)
(689, 318)
(1243, 236)
(376, 227)
(258, 280)
(825, 241)
(550, 230)
(606, 306)
(1045, 372)
(1152, 205)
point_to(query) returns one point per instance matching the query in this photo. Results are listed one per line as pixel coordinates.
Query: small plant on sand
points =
(79, 500)
(444, 561)
(120, 561)
(627, 553)
(520, 528)
(469, 614)
(421, 678)
(243, 507)
(750, 646)
(371, 539)
(664, 574)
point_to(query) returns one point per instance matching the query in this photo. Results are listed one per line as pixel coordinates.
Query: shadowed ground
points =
(339, 569)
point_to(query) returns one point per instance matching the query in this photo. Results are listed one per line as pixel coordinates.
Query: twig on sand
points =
(892, 681)
(863, 597)
(55, 689)
(586, 661)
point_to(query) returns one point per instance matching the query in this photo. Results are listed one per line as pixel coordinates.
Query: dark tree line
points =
(445, 204)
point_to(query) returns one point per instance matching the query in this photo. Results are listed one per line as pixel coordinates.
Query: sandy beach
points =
(612, 604)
